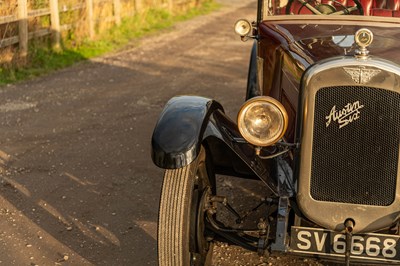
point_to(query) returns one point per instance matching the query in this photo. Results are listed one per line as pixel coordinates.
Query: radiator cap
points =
(363, 38)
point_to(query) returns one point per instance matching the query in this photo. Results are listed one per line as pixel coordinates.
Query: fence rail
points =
(55, 28)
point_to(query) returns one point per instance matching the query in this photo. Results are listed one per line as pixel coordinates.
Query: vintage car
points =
(320, 128)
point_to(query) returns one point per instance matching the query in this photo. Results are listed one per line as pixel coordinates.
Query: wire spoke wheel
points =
(181, 223)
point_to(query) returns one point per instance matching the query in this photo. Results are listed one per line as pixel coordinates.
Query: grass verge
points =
(43, 59)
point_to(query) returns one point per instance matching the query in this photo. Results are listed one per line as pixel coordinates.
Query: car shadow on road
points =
(77, 185)
(72, 224)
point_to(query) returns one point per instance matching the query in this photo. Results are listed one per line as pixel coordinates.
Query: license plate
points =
(377, 247)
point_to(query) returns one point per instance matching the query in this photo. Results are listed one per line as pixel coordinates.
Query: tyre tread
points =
(174, 211)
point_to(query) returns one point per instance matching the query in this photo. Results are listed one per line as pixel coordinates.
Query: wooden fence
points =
(55, 28)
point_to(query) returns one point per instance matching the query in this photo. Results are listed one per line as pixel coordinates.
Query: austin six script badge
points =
(346, 115)
(361, 75)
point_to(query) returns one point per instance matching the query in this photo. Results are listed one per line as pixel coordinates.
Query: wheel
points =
(182, 237)
(317, 8)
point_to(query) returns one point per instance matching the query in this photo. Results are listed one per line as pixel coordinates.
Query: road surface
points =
(77, 185)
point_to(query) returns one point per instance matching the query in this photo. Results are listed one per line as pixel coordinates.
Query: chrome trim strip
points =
(333, 19)
(260, 74)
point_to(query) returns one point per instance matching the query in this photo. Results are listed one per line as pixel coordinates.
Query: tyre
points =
(181, 224)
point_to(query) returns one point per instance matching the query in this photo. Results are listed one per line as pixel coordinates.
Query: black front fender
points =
(187, 122)
(179, 131)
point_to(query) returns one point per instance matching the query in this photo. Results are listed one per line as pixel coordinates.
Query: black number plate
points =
(377, 247)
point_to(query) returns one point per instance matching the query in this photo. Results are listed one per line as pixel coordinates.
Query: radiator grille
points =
(356, 162)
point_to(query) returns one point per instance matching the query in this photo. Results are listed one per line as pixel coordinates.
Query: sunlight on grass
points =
(43, 60)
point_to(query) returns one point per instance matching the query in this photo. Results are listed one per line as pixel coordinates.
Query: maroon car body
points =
(320, 127)
(293, 45)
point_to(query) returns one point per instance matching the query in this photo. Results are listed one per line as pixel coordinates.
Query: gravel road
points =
(77, 185)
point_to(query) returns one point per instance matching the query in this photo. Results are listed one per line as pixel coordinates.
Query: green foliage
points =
(36, 4)
(42, 59)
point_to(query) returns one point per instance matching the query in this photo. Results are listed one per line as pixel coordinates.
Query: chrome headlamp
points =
(262, 121)
(243, 28)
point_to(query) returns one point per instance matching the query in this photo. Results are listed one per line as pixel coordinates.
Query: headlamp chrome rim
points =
(278, 108)
(243, 27)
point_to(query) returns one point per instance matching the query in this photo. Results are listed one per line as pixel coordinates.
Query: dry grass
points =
(75, 18)
(7, 8)
(69, 15)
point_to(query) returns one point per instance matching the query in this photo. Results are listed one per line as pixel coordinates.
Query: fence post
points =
(170, 5)
(138, 6)
(23, 28)
(55, 24)
(90, 18)
(117, 11)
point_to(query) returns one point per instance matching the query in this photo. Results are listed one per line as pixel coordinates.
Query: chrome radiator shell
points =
(343, 72)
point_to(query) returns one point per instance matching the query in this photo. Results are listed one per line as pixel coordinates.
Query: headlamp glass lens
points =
(262, 122)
